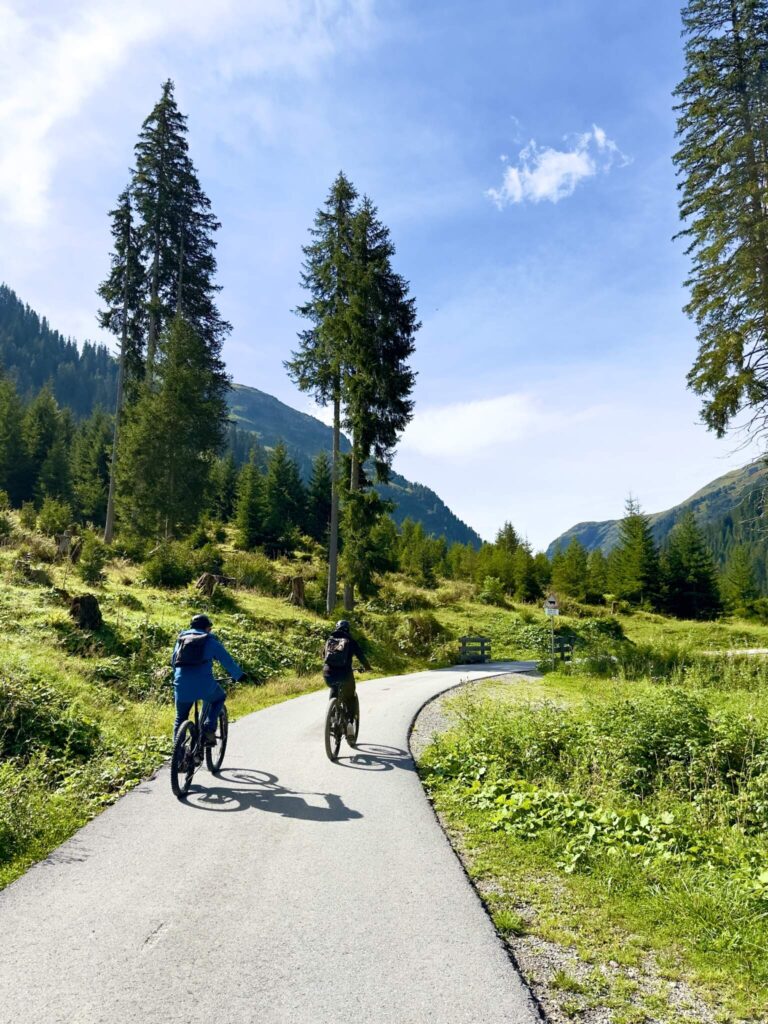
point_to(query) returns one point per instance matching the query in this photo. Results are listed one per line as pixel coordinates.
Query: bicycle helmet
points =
(342, 626)
(200, 622)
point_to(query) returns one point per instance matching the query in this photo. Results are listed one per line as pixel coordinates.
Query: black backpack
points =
(337, 652)
(190, 650)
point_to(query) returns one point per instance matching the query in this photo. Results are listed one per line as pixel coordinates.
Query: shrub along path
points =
(289, 889)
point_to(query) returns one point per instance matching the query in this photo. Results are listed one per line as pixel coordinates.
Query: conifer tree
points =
(284, 497)
(597, 574)
(633, 565)
(89, 467)
(507, 538)
(13, 456)
(249, 511)
(171, 437)
(41, 427)
(723, 165)
(527, 586)
(569, 570)
(124, 316)
(690, 581)
(317, 365)
(319, 499)
(223, 489)
(176, 230)
(739, 587)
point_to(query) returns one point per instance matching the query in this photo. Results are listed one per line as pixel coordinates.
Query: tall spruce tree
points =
(124, 316)
(738, 585)
(723, 166)
(176, 231)
(13, 455)
(90, 466)
(171, 436)
(633, 565)
(688, 572)
(249, 508)
(284, 498)
(319, 498)
(318, 363)
(377, 381)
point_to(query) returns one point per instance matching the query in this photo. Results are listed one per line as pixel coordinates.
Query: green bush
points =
(252, 569)
(36, 718)
(28, 515)
(55, 516)
(208, 558)
(417, 635)
(492, 592)
(170, 565)
(6, 525)
(5, 501)
(93, 558)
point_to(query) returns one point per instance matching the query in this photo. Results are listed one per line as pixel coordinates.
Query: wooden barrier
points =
(474, 650)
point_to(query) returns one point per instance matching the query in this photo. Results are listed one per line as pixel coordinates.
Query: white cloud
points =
(553, 174)
(463, 429)
(55, 58)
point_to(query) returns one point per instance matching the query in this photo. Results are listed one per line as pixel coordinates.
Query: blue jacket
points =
(196, 682)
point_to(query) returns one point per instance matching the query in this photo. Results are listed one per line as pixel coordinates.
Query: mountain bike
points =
(337, 718)
(189, 749)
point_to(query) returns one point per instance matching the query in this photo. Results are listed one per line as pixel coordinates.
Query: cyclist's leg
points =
(214, 705)
(183, 707)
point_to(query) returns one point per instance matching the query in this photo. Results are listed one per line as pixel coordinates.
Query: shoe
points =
(351, 732)
(209, 738)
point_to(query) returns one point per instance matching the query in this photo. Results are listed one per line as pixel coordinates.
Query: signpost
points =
(551, 609)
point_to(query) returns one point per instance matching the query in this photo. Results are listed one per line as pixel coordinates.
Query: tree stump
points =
(86, 612)
(297, 591)
(207, 584)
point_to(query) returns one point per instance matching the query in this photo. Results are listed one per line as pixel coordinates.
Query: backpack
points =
(337, 652)
(190, 650)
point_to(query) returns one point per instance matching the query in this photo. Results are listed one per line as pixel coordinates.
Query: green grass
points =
(628, 816)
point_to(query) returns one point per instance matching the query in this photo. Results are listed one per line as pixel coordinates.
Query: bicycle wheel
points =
(333, 728)
(215, 755)
(356, 721)
(183, 760)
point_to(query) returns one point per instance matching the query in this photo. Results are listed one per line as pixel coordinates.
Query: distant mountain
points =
(714, 506)
(32, 353)
(272, 421)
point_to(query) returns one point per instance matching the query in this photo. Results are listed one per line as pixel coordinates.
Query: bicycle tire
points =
(332, 729)
(356, 720)
(183, 760)
(214, 756)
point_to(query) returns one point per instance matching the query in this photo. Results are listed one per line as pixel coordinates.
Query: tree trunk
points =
(109, 525)
(354, 487)
(333, 546)
(297, 595)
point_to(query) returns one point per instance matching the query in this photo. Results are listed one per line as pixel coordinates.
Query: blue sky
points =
(519, 150)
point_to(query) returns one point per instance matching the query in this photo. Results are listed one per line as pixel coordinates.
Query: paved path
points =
(288, 890)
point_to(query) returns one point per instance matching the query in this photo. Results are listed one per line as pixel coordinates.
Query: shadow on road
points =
(375, 757)
(251, 789)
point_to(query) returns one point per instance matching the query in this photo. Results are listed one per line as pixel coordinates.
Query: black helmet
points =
(200, 622)
(342, 626)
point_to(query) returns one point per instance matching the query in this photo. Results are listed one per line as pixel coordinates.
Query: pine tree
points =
(171, 437)
(249, 511)
(507, 538)
(723, 164)
(223, 488)
(527, 585)
(284, 498)
(176, 230)
(41, 427)
(318, 364)
(738, 581)
(690, 581)
(569, 570)
(124, 316)
(597, 574)
(89, 467)
(319, 499)
(376, 380)
(633, 565)
(13, 456)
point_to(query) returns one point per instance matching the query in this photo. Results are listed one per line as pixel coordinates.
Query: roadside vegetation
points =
(617, 808)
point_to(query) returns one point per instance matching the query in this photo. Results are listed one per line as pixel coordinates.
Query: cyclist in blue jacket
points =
(194, 653)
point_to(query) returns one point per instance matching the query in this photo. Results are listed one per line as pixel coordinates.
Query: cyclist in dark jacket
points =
(193, 682)
(340, 648)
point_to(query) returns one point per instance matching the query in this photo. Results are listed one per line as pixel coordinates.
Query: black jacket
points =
(354, 652)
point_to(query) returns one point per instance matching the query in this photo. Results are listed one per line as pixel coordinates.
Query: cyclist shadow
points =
(376, 757)
(251, 789)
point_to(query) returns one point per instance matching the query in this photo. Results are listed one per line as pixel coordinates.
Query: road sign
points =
(551, 606)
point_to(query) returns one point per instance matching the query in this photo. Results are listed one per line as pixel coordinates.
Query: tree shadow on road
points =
(251, 789)
(376, 757)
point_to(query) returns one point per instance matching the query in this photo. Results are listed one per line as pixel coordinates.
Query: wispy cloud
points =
(462, 429)
(58, 57)
(544, 173)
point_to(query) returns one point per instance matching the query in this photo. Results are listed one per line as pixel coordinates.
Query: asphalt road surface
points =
(286, 890)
